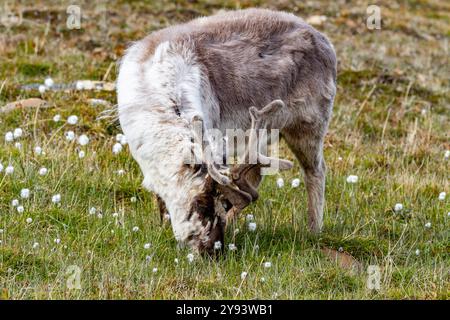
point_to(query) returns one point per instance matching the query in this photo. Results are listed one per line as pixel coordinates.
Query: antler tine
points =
(213, 171)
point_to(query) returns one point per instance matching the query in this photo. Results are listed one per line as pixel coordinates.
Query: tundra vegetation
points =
(83, 227)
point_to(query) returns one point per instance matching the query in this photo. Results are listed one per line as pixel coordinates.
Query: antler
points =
(271, 116)
(212, 167)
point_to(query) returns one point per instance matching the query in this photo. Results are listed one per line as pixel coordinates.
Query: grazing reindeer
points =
(212, 70)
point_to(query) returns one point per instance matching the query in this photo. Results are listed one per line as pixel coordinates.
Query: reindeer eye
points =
(226, 204)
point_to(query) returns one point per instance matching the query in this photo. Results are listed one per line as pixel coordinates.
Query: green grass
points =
(390, 128)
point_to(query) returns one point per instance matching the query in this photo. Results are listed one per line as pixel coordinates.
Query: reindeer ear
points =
(238, 198)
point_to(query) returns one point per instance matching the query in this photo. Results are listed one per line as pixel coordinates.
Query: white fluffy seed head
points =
(428, 225)
(73, 119)
(83, 140)
(249, 218)
(398, 207)
(217, 245)
(447, 154)
(9, 169)
(25, 193)
(9, 136)
(70, 135)
(81, 154)
(57, 118)
(442, 196)
(20, 209)
(244, 275)
(92, 210)
(43, 171)
(1, 168)
(252, 226)
(190, 257)
(42, 89)
(232, 247)
(280, 183)
(49, 82)
(352, 179)
(18, 132)
(267, 264)
(295, 183)
(15, 203)
(117, 148)
(38, 150)
(29, 220)
(56, 198)
(135, 229)
(147, 246)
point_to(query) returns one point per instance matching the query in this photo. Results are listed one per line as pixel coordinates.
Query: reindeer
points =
(246, 69)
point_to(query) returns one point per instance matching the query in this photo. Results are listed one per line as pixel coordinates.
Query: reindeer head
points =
(228, 190)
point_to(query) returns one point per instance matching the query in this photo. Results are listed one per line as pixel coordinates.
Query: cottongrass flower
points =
(442, 196)
(20, 209)
(9, 136)
(280, 183)
(190, 257)
(9, 169)
(92, 210)
(135, 229)
(117, 148)
(447, 154)
(79, 85)
(155, 270)
(1, 168)
(232, 247)
(133, 199)
(120, 172)
(244, 275)
(217, 245)
(252, 226)
(267, 264)
(295, 183)
(43, 171)
(15, 203)
(18, 145)
(35, 245)
(18, 132)
(263, 279)
(417, 252)
(249, 217)
(56, 198)
(72, 120)
(121, 138)
(42, 89)
(81, 154)
(83, 140)
(147, 246)
(38, 150)
(115, 215)
(428, 225)
(49, 82)
(70, 135)
(398, 207)
(176, 261)
(29, 220)
(352, 179)
(100, 215)
(57, 240)
(25, 193)
(57, 118)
